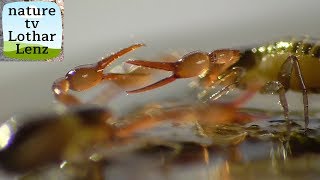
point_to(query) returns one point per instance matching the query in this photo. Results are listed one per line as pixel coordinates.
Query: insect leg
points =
(231, 78)
(154, 85)
(284, 77)
(277, 87)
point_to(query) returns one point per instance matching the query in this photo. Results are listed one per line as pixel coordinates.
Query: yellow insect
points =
(278, 67)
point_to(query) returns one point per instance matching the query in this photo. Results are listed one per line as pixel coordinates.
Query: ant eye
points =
(71, 73)
(212, 56)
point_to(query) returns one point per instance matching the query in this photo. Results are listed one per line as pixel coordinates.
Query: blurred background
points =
(94, 29)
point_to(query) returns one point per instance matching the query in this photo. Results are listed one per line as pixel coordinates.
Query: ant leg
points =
(232, 77)
(60, 88)
(131, 80)
(106, 61)
(167, 66)
(277, 87)
(284, 77)
(154, 85)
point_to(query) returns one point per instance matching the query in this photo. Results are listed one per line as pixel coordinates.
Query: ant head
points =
(225, 56)
(193, 64)
(84, 77)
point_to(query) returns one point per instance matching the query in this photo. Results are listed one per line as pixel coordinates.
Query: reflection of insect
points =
(87, 76)
(271, 65)
(74, 136)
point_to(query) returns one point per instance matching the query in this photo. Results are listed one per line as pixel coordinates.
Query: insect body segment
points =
(191, 65)
(87, 76)
(282, 66)
(268, 62)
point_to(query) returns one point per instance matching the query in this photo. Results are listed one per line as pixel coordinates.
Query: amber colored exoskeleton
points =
(87, 76)
(194, 64)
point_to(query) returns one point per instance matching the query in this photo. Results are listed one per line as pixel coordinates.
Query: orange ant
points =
(194, 64)
(271, 65)
(87, 76)
(77, 134)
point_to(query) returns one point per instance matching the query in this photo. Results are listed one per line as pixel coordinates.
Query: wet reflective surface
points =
(264, 148)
